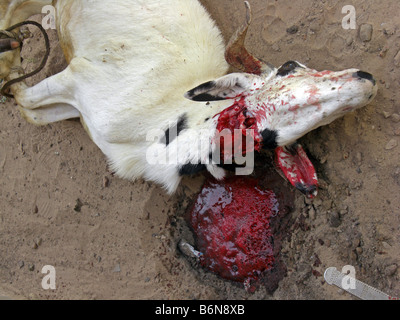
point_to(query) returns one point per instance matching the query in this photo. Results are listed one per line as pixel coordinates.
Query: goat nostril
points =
(364, 75)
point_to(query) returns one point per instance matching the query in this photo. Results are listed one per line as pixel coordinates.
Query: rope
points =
(8, 34)
(44, 60)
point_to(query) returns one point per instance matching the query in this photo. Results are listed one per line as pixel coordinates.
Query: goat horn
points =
(237, 55)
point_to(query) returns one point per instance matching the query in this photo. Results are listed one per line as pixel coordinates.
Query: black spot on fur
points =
(172, 132)
(196, 93)
(189, 169)
(203, 97)
(200, 93)
(365, 76)
(230, 167)
(287, 68)
(269, 139)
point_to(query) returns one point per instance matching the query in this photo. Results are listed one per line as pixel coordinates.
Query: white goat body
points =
(130, 64)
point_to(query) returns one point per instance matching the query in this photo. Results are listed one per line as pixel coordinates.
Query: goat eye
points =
(287, 68)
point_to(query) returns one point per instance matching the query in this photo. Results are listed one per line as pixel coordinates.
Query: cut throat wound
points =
(237, 132)
(238, 135)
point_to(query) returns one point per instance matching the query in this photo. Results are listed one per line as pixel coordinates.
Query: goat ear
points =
(227, 87)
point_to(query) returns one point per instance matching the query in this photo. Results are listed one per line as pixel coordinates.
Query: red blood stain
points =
(298, 168)
(314, 97)
(321, 74)
(237, 117)
(231, 220)
(294, 109)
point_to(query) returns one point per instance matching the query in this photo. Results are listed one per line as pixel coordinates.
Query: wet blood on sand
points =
(231, 220)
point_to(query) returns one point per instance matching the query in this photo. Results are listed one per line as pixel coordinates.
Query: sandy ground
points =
(113, 239)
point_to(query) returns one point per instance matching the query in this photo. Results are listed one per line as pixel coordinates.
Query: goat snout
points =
(364, 75)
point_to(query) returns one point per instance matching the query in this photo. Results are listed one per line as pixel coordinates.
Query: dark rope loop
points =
(42, 65)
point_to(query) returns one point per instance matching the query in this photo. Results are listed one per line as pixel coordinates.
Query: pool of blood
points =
(231, 221)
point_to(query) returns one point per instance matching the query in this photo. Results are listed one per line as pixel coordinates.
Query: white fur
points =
(133, 62)
(130, 64)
